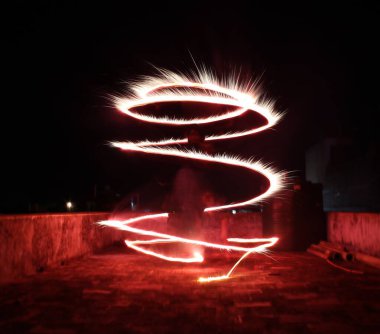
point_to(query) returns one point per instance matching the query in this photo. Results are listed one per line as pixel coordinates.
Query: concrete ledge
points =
(216, 225)
(359, 231)
(30, 243)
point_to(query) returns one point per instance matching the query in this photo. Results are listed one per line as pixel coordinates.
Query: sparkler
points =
(206, 88)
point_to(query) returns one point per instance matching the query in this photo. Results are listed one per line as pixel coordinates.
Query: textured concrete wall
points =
(217, 226)
(357, 230)
(30, 243)
(221, 225)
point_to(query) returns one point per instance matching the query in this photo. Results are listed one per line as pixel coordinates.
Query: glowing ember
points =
(202, 87)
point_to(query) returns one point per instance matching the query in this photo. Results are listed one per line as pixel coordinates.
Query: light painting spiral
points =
(201, 87)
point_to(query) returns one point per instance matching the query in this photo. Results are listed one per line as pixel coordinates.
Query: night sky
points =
(64, 61)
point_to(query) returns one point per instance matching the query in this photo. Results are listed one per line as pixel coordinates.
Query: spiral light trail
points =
(205, 88)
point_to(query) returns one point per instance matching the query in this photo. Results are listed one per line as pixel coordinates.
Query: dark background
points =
(63, 61)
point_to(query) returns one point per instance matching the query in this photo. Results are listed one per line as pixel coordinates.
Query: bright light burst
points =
(201, 87)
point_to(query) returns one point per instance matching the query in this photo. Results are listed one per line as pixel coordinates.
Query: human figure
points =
(186, 201)
(186, 205)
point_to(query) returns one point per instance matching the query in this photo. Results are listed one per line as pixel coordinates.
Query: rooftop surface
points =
(121, 291)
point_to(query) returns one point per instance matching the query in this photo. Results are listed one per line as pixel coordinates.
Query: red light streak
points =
(205, 88)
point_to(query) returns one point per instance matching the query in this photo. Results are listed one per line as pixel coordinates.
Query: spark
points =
(203, 87)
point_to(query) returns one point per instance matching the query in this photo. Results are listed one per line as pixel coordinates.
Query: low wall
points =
(217, 226)
(357, 230)
(30, 243)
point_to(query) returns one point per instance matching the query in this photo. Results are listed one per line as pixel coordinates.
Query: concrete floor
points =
(119, 291)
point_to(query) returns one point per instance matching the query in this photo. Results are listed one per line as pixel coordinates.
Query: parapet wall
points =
(359, 231)
(222, 225)
(30, 243)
